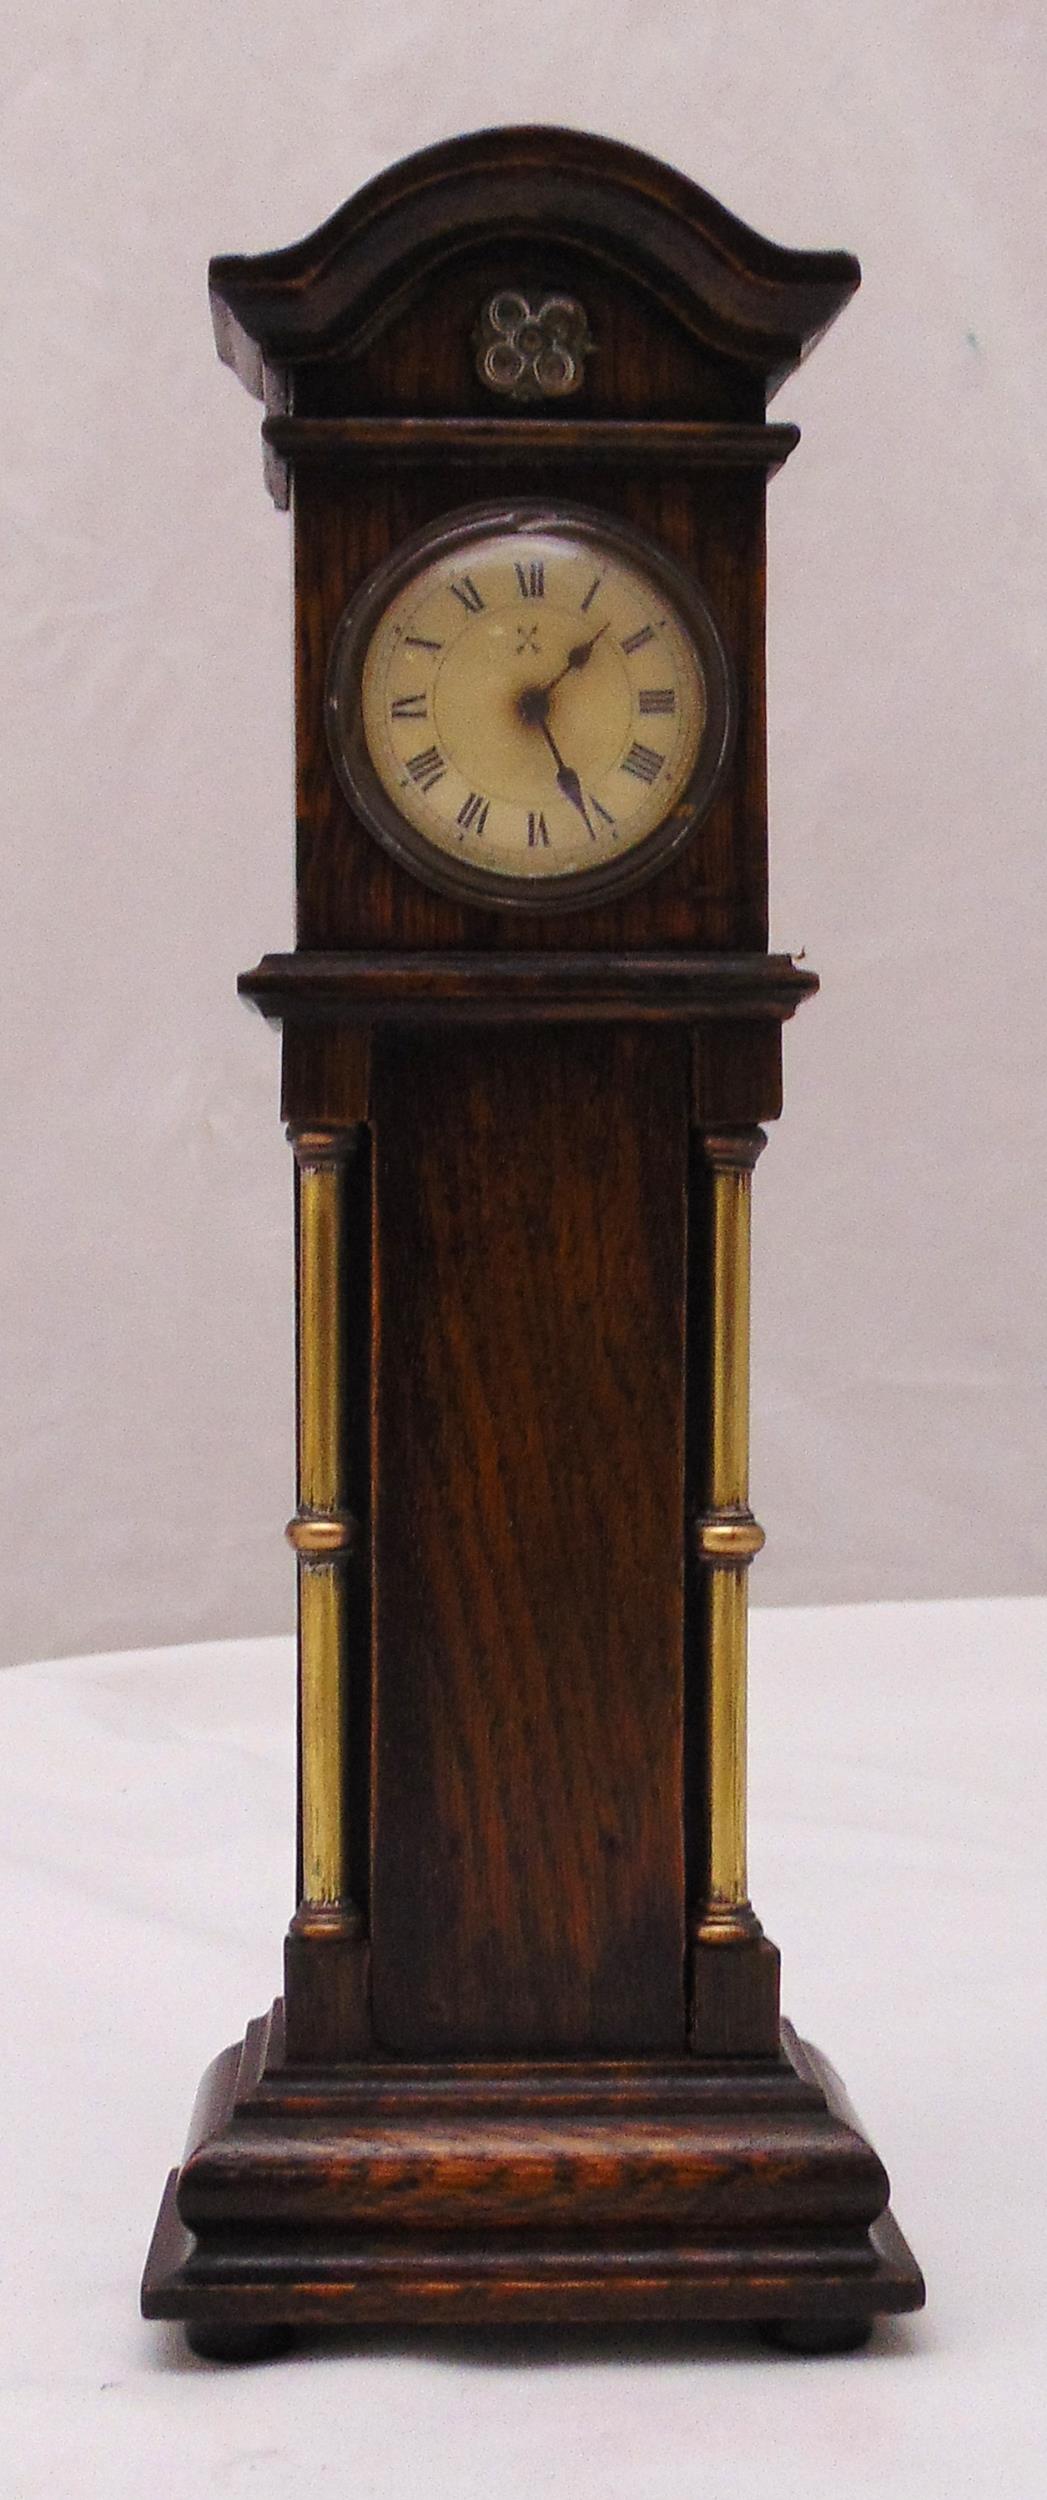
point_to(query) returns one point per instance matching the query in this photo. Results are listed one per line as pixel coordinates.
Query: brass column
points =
(323, 1532)
(727, 1537)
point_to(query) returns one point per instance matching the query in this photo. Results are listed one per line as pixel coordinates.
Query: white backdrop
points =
(145, 1289)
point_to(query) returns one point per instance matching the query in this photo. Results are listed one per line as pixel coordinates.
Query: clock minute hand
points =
(566, 778)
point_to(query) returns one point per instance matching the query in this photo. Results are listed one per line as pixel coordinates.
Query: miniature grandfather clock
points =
(528, 2064)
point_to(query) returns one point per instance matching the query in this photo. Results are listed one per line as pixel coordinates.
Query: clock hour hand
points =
(576, 658)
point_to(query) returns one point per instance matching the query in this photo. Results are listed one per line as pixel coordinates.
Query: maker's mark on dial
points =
(532, 347)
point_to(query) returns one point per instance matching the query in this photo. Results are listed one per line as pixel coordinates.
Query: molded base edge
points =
(489, 2195)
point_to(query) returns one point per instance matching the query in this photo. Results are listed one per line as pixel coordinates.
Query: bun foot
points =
(238, 2343)
(817, 2335)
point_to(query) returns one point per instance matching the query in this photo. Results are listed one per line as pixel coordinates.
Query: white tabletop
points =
(898, 1858)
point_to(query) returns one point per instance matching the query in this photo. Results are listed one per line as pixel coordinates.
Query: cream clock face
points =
(529, 708)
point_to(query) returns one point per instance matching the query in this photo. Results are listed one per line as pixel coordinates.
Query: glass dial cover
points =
(529, 707)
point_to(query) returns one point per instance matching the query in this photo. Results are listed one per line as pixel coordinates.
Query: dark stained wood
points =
(646, 365)
(373, 391)
(328, 1008)
(421, 441)
(494, 2195)
(351, 894)
(326, 1070)
(494, 443)
(734, 1997)
(510, 2084)
(742, 298)
(327, 1985)
(238, 2343)
(649, 390)
(353, 990)
(738, 1065)
(817, 2336)
(527, 1885)
(694, 317)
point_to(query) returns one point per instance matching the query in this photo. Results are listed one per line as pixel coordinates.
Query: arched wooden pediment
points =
(744, 301)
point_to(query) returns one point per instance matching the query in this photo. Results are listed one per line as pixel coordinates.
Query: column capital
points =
(734, 1149)
(317, 1147)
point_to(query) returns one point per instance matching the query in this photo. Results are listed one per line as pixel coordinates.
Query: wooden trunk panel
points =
(530, 1251)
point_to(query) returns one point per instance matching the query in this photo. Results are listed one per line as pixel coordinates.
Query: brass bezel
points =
(580, 888)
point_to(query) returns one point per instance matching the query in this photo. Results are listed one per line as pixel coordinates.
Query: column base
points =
(734, 1986)
(327, 1971)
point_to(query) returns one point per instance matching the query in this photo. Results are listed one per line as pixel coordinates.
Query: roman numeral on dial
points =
(421, 642)
(645, 762)
(467, 592)
(602, 812)
(472, 815)
(408, 707)
(657, 699)
(427, 768)
(638, 641)
(537, 833)
(531, 578)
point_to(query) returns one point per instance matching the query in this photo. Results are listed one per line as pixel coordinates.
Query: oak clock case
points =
(489, 659)
(528, 2062)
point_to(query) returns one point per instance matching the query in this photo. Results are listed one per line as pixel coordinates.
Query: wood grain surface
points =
(753, 305)
(527, 1886)
(487, 2101)
(498, 2194)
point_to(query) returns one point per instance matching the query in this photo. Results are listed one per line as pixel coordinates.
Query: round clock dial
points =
(529, 708)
